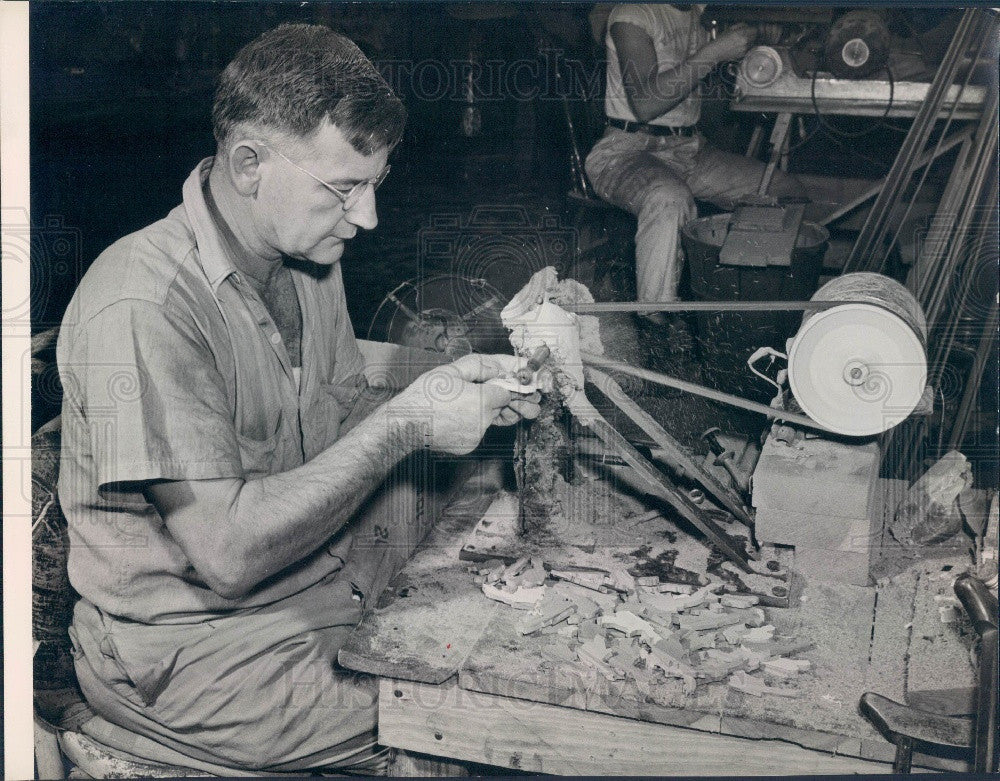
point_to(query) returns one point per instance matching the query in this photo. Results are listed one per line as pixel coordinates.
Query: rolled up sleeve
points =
(155, 404)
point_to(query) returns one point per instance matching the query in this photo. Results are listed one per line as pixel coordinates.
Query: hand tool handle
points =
(978, 601)
(527, 372)
(981, 606)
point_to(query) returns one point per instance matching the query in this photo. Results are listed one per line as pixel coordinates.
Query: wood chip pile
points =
(640, 628)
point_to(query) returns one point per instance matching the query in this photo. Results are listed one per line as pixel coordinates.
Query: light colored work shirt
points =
(676, 35)
(173, 369)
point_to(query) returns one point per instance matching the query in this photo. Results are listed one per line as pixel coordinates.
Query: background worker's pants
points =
(657, 178)
(257, 689)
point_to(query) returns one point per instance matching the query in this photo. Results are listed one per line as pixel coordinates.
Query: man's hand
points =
(451, 406)
(731, 45)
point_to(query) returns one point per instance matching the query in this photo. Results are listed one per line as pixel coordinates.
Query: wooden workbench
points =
(459, 680)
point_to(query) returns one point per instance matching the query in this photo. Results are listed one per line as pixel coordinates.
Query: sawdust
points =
(940, 654)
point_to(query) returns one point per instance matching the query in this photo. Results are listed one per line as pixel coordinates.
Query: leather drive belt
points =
(653, 130)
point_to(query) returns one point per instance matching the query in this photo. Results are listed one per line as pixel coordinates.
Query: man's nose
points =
(363, 214)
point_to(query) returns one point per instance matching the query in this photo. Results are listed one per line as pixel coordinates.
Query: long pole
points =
(670, 447)
(600, 307)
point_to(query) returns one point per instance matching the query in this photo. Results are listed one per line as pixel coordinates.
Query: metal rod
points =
(700, 390)
(675, 455)
(862, 256)
(870, 193)
(599, 307)
(986, 704)
(927, 271)
(575, 158)
(779, 135)
(986, 342)
(887, 248)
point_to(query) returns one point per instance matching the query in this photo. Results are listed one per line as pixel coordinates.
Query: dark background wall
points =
(121, 96)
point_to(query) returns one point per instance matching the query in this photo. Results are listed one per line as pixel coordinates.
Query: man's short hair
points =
(293, 77)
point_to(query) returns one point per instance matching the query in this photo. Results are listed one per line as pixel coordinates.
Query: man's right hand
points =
(450, 407)
(732, 44)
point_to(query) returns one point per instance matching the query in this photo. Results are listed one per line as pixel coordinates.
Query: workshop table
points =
(458, 680)
(789, 95)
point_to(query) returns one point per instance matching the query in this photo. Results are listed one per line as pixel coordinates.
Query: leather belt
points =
(653, 130)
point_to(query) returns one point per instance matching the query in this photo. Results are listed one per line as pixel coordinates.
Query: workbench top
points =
(434, 623)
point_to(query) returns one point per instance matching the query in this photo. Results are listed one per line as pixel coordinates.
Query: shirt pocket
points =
(333, 403)
(258, 455)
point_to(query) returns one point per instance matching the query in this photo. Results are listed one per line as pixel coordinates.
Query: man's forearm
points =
(282, 518)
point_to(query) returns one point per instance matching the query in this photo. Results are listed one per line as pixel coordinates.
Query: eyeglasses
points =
(350, 197)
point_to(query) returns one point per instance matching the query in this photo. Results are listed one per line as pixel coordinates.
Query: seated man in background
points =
(214, 452)
(652, 160)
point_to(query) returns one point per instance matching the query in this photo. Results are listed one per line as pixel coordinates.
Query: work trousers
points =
(256, 689)
(657, 178)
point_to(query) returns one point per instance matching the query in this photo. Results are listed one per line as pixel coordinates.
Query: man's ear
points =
(244, 167)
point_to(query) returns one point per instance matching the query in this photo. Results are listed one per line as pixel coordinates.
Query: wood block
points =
(695, 641)
(535, 575)
(588, 630)
(662, 621)
(738, 600)
(671, 647)
(672, 667)
(675, 588)
(594, 653)
(681, 602)
(594, 581)
(522, 598)
(761, 634)
(631, 625)
(752, 616)
(813, 530)
(708, 620)
(719, 668)
(785, 668)
(817, 477)
(733, 634)
(588, 603)
(559, 653)
(533, 623)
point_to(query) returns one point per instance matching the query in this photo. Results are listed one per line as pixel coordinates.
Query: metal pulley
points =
(448, 313)
(857, 45)
(761, 66)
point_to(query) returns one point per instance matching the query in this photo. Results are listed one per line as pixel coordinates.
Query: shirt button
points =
(275, 338)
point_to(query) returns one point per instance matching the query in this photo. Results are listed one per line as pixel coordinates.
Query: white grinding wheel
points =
(857, 369)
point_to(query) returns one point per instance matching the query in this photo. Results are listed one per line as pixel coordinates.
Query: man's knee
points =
(669, 200)
(786, 185)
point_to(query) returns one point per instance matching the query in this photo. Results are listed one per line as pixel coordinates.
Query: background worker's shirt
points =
(172, 369)
(676, 35)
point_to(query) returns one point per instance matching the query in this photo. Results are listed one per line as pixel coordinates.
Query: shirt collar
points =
(213, 249)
